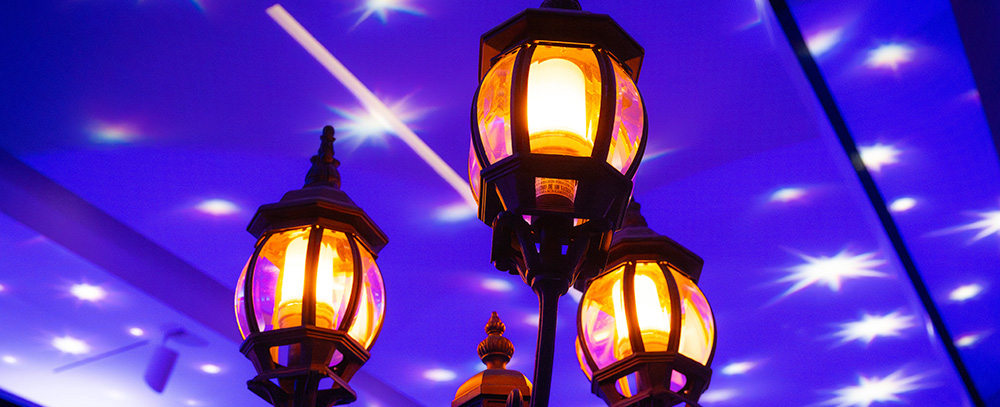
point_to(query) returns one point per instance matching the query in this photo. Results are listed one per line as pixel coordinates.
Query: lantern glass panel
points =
(474, 171)
(600, 318)
(240, 303)
(583, 360)
(371, 303)
(629, 122)
(652, 307)
(697, 322)
(280, 273)
(493, 109)
(564, 100)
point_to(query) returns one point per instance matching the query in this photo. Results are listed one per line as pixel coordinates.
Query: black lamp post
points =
(316, 298)
(558, 130)
(646, 334)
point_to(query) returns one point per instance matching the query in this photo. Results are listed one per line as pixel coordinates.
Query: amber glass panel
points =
(266, 275)
(474, 170)
(493, 109)
(371, 303)
(564, 100)
(629, 121)
(652, 306)
(601, 318)
(697, 322)
(334, 278)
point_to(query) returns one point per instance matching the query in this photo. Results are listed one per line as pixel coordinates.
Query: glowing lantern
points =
(558, 123)
(645, 331)
(317, 295)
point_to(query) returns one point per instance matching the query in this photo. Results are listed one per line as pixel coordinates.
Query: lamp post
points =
(646, 334)
(310, 301)
(558, 130)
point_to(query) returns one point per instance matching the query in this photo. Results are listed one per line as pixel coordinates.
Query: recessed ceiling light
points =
(889, 56)
(787, 194)
(88, 292)
(71, 345)
(2, 288)
(217, 207)
(496, 284)
(135, 331)
(823, 41)
(878, 155)
(737, 368)
(440, 375)
(902, 204)
(8, 359)
(965, 292)
(210, 368)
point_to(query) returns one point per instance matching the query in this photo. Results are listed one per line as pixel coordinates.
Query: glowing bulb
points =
(556, 99)
(652, 318)
(292, 283)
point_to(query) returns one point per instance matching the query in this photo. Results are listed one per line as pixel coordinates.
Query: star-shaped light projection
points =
(874, 389)
(823, 41)
(787, 194)
(360, 125)
(381, 9)
(873, 326)
(831, 271)
(889, 56)
(965, 292)
(988, 224)
(879, 155)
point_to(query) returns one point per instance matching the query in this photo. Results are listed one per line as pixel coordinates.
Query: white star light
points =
(902, 204)
(871, 390)
(830, 271)
(873, 326)
(737, 368)
(381, 9)
(440, 375)
(88, 292)
(217, 207)
(879, 155)
(989, 224)
(965, 292)
(787, 194)
(361, 125)
(969, 339)
(889, 56)
(823, 41)
(71, 345)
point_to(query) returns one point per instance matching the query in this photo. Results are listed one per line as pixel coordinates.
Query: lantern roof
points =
(635, 241)
(561, 25)
(319, 201)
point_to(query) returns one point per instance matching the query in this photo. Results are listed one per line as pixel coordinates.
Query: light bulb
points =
(652, 318)
(288, 312)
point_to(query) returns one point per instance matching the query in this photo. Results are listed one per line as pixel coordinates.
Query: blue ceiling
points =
(149, 109)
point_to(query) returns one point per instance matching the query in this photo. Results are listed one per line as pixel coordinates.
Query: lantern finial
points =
(563, 4)
(495, 350)
(324, 166)
(633, 216)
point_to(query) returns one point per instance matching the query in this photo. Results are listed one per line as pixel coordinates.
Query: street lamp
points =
(558, 131)
(645, 332)
(317, 298)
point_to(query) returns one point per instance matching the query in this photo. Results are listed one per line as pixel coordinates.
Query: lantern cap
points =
(635, 241)
(555, 22)
(496, 382)
(563, 4)
(320, 202)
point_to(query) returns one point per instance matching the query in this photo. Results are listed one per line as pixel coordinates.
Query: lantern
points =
(558, 125)
(645, 332)
(310, 301)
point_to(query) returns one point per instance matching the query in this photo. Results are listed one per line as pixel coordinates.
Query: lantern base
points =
(315, 356)
(653, 372)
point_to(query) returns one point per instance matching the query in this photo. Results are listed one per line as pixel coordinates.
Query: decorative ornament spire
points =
(563, 4)
(324, 166)
(633, 217)
(495, 350)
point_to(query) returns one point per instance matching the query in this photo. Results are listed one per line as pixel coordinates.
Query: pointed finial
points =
(563, 4)
(633, 217)
(495, 350)
(324, 166)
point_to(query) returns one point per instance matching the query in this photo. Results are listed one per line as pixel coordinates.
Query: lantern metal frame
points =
(320, 205)
(636, 243)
